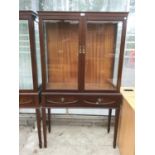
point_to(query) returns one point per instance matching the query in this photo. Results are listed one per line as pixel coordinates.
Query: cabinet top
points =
(48, 13)
(26, 14)
(112, 16)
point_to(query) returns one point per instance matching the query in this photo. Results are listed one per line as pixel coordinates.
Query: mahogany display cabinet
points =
(82, 58)
(29, 70)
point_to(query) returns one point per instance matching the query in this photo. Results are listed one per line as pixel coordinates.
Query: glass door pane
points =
(38, 57)
(25, 68)
(102, 54)
(61, 52)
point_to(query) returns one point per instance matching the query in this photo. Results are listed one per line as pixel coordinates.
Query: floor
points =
(69, 140)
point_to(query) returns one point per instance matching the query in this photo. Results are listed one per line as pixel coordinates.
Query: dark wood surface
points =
(80, 97)
(109, 120)
(30, 16)
(27, 97)
(31, 98)
(49, 120)
(89, 16)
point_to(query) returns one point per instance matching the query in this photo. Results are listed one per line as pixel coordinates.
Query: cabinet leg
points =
(49, 120)
(44, 126)
(116, 126)
(39, 126)
(109, 120)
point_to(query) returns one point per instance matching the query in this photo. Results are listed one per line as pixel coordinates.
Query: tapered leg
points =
(49, 120)
(116, 126)
(39, 126)
(44, 126)
(109, 120)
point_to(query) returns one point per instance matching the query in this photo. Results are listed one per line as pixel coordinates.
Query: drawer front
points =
(99, 101)
(26, 101)
(82, 100)
(62, 101)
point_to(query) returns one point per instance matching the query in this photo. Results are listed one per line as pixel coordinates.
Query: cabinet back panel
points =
(62, 39)
(99, 59)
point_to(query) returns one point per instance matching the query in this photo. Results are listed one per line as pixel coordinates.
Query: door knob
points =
(83, 50)
(80, 49)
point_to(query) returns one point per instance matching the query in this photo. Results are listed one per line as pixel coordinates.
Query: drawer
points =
(61, 100)
(81, 100)
(26, 101)
(101, 101)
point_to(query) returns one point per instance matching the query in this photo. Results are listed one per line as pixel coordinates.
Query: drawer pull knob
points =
(99, 103)
(62, 99)
(99, 100)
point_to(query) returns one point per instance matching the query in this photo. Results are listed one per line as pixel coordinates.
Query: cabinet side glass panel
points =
(117, 53)
(38, 58)
(61, 53)
(101, 56)
(25, 67)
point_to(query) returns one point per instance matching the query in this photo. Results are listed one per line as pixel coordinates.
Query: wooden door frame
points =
(110, 17)
(30, 98)
(56, 16)
(30, 16)
(103, 16)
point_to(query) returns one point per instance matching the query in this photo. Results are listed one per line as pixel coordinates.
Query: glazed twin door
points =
(81, 53)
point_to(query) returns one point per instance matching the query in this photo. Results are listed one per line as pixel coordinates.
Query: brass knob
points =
(62, 99)
(99, 100)
(80, 49)
(83, 50)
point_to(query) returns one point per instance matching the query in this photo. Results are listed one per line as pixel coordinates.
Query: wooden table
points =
(126, 129)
